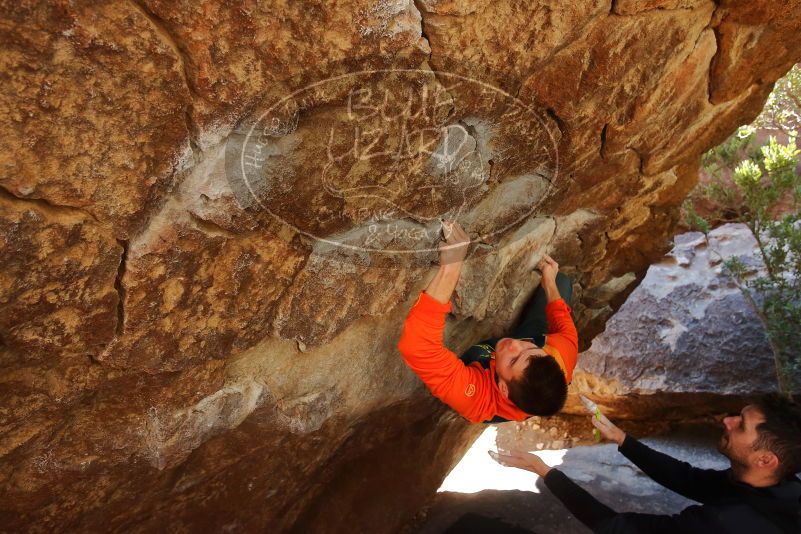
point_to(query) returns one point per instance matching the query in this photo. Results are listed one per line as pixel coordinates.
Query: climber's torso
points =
(483, 354)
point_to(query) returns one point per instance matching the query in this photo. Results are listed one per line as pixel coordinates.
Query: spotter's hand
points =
(604, 426)
(521, 460)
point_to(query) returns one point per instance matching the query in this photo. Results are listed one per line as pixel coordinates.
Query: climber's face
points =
(740, 434)
(511, 359)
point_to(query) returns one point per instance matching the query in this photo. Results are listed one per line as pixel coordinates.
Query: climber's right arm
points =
(463, 388)
(452, 252)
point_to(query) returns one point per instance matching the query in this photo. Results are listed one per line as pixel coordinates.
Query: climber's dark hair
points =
(780, 432)
(542, 388)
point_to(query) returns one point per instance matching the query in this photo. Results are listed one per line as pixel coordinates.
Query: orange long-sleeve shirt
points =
(470, 389)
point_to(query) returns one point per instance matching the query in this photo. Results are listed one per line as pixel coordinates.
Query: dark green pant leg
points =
(534, 323)
(565, 286)
(481, 352)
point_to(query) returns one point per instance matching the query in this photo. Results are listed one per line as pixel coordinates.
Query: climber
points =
(759, 492)
(499, 379)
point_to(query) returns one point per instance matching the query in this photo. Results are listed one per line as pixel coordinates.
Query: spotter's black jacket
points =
(726, 506)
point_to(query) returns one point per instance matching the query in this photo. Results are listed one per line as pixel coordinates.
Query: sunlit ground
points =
(476, 471)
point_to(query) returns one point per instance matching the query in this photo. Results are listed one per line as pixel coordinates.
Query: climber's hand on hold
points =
(453, 247)
(452, 252)
(521, 460)
(548, 267)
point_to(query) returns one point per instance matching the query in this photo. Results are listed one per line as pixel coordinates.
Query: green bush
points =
(765, 196)
(728, 153)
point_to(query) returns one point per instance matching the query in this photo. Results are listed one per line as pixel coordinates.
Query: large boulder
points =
(198, 331)
(686, 338)
(686, 345)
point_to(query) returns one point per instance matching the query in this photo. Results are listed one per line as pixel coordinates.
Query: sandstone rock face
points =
(215, 216)
(686, 332)
(94, 108)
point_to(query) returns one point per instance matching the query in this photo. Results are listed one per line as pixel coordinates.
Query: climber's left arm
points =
(562, 339)
(562, 335)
